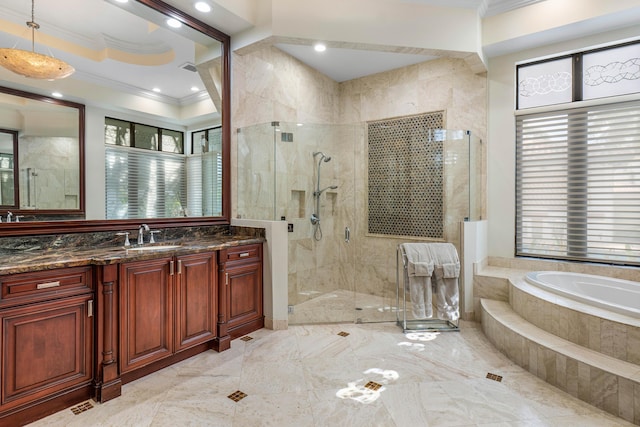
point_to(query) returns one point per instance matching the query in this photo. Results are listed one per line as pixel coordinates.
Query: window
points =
(578, 169)
(593, 74)
(128, 134)
(146, 175)
(205, 173)
(144, 184)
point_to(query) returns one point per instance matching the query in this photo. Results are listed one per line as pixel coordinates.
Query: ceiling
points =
(347, 64)
(103, 24)
(127, 47)
(99, 24)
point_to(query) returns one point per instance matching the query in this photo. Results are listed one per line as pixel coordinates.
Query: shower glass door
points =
(304, 174)
(315, 194)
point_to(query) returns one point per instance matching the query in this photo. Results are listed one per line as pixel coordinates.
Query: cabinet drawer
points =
(240, 253)
(43, 284)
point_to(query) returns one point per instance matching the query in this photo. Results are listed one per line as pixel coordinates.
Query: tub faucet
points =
(141, 230)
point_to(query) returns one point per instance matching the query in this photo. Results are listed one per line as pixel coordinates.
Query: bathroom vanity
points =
(47, 338)
(77, 324)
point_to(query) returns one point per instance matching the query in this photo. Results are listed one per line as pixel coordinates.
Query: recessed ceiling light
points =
(300, 124)
(194, 88)
(319, 47)
(122, 1)
(56, 94)
(156, 89)
(203, 7)
(174, 23)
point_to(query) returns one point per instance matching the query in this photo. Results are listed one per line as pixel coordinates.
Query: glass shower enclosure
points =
(304, 174)
(315, 177)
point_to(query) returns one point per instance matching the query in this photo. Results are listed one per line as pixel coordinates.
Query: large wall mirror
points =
(152, 83)
(41, 156)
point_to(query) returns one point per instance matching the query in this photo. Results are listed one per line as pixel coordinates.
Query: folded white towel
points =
(418, 278)
(451, 270)
(419, 268)
(443, 253)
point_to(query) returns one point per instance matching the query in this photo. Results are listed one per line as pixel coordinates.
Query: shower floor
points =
(344, 306)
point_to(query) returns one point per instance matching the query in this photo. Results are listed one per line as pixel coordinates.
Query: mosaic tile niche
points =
(406, 175)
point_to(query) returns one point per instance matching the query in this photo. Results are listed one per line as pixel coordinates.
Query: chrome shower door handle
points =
(347, 234)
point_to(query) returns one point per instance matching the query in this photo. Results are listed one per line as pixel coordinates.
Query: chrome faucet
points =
(9, 215)
(141, 230)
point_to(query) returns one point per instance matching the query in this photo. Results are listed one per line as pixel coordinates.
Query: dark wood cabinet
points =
(46, 321)
(75, 333)
(240, 292)
(167, 305)
(146, 312)
(196, 300)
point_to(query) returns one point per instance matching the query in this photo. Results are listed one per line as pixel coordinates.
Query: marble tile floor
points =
(344, 375)
(344, 306)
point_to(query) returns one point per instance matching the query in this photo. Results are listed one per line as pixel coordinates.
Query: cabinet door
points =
(245, 293)
(196, 303)
(146, 313)
(47, 348)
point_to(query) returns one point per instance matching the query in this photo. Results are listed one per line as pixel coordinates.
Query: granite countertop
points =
(47, 259)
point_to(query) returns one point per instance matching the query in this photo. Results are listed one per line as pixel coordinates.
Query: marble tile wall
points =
(270, 85)
(444, 84)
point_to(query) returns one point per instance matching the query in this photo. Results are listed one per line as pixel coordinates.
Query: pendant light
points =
(31, 64)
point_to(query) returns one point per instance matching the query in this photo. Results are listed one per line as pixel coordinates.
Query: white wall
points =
(501, 133)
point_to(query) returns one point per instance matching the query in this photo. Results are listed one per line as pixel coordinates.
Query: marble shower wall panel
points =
(54, 181)
(269, 84)
(439, 85)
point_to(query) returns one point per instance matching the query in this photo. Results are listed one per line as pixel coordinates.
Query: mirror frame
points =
(81, 166)
(85, 226)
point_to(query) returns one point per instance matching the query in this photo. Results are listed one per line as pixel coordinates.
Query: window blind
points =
(144, 184)
(578, 184)
(205, 184)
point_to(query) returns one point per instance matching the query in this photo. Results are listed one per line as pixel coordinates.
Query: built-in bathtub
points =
(570, 330)
(616, 295)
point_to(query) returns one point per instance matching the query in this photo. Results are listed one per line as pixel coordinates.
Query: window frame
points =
(577, 70)
(578, 194)
(159, 135)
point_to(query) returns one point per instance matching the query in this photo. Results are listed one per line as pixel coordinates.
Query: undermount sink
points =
(154, 248)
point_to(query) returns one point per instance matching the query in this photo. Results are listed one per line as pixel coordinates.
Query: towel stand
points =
(415, 325)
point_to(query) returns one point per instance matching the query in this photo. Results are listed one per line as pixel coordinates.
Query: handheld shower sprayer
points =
(315, 217)
(319, 192)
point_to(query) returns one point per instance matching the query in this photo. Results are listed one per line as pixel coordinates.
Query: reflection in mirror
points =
(150, 172)
(8, 143)
(166, 84)
(40, 148)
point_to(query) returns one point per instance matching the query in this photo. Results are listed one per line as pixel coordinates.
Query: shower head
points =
(322, 156)
(333, 187)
